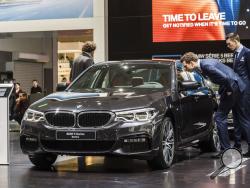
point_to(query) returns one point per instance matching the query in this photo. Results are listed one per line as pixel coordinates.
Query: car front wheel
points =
(166, 152)
(43, 160)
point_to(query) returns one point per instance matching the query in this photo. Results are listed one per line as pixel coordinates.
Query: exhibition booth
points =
(134, 107)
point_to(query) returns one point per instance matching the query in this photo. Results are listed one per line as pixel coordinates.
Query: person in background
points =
(241, 66)
(35, 88)
(231, 90)
(22, 105)
(83, 61)
(18, 89)
(12, 100)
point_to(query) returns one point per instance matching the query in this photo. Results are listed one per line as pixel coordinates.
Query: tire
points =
(43, 161)
(212, 144)
(165, 156)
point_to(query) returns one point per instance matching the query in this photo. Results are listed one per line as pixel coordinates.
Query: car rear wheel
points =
(43, 160)
(166, 152)
(212, 144)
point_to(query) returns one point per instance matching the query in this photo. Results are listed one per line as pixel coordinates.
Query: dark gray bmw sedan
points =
(138, 109)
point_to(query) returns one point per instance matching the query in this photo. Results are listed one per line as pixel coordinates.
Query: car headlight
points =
(33, 116)
(146, 114)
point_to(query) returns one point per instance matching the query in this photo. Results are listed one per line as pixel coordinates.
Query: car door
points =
(196, 106)
(188, 116)
(186, 108)
(202, 107)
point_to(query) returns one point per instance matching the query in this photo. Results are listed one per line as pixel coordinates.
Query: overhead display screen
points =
(199, 20)
(45, 15)
(17, 10)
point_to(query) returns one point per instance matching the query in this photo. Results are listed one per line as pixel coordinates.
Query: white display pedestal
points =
(5, 91)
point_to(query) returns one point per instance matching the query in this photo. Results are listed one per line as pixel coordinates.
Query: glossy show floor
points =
(191, 169)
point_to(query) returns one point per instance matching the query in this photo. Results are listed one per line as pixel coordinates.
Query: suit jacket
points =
(242, 66)
(80, 64)
(222, 75)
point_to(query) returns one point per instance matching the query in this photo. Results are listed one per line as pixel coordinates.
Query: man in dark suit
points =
(231, 89)
(83, 61)
(241, 66)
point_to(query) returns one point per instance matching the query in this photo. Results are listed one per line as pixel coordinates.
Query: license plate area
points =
(75, 135)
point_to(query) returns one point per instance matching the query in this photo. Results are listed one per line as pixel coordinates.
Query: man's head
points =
(233, 41)
(189, 61)
(35, 83)
(89, 47)
(23, 96)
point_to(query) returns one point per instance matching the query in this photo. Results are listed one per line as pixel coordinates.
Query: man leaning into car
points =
(231, 90)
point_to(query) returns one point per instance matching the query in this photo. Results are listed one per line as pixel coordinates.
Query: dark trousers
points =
(18, 117)
(227, 103)
(241, 118)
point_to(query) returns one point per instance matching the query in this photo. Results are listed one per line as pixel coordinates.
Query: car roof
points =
(152, 62)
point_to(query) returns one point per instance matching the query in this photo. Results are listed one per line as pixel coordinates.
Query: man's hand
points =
(229, 93)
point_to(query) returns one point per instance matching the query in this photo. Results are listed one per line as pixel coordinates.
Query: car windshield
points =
(131, 76)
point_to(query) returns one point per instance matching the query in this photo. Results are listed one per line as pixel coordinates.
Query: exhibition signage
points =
(196, 20)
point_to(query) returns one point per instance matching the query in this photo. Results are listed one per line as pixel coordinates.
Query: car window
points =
(144, 73)
(88, 80)
(194, 76)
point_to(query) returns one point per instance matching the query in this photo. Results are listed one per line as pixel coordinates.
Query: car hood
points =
(111, 101)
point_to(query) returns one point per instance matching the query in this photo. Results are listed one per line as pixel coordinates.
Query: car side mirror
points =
(188, 85)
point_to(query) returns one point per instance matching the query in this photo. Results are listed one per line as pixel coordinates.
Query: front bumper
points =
(138, 140)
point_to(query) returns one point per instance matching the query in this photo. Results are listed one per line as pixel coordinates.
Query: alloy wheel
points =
(168, 143)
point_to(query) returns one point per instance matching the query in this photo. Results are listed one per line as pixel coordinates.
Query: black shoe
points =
(217, 155)
(247, 154)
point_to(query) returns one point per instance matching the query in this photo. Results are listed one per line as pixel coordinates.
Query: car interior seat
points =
(136, 81)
